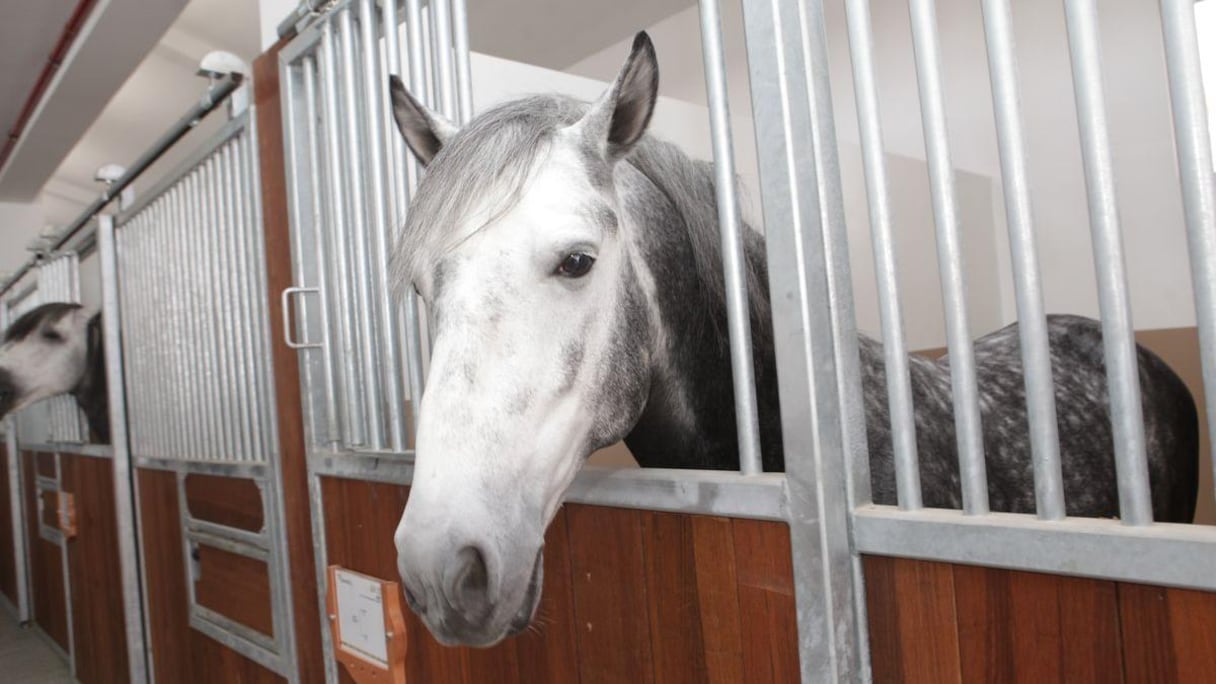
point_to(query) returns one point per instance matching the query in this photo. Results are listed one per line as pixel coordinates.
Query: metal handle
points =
(286, 298)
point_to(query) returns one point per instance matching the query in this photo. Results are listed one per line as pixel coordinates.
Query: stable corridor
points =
(26, 657)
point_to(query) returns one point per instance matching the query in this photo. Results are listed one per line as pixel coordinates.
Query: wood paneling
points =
(937, 622)
(95, 572)
(294, 470)
(45, 464)
(236, 587)
(8, 542)
(179, 652)
(629, 595)
(231, 501)
(46, 567)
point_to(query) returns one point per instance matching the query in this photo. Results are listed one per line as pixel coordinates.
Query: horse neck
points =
(689, 419)
(91, 392)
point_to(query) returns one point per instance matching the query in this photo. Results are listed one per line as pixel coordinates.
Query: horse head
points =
(522, 243)
(46, 352)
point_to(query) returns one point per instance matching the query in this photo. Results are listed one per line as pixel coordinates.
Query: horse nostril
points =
(469, 582)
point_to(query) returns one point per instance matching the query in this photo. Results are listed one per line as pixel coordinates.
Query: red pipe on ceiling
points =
(70, 31)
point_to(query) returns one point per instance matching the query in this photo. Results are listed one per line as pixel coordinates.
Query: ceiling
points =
(28, 34)
(133, 76)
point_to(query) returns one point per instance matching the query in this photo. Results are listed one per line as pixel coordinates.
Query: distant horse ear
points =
(425, 131)
(620, 117)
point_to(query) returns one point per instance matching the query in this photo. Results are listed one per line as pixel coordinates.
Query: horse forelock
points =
(31, 320)
(487, 165)
(484, 168)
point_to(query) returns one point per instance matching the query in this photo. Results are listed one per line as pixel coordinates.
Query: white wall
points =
(20, 224)
(1141, 135)
(681, 77)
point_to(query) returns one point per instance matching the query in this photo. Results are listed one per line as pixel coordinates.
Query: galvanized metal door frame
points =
(277, 652)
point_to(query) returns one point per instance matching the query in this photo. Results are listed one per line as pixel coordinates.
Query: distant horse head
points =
(562, 253)
(54, 349)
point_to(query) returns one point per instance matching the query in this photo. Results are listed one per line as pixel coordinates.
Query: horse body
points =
(573, 269)
(56, 348)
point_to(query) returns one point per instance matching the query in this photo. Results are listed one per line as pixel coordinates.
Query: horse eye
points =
(52, 336)
(575, 265)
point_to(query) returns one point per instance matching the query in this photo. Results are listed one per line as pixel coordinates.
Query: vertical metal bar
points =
(354, 172)
(210, 209)
(234, 302)
(378, 229)
(1032, 319)
(333, 390)
(441, 46)
(802, 265)
(949, 252)
(199, 375)
(260, 297)
(895, 351)
(338, 232)
(178, 409)
(1122, 368)
(221, 298)
(251, 394)
(1193, 141)
(464, 71)
(730, 230)
(413, 323)
(123, 473)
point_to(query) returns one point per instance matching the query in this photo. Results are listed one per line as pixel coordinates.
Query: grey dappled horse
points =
(572, 267)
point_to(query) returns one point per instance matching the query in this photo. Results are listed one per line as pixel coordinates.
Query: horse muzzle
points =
(467, 607)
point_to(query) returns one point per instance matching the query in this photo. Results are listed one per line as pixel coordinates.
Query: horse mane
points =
(30, 320)
(495, 155)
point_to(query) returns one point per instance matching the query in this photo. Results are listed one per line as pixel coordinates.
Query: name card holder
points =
(368, 626)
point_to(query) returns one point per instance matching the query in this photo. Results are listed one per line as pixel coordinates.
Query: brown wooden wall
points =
(8, 543)
(180, 653)
(630, 596)
(94, 571)
(940, 622)
(294, 475)
(46, 561)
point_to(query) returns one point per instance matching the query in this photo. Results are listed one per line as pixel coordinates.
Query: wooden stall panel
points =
(938, 622)
(46, 566)
(229, 501)
(236, 587)
(634, 596)
(9, 554)
(95, 571)
(179, 652)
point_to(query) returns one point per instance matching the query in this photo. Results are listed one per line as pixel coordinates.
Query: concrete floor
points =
(26, 657)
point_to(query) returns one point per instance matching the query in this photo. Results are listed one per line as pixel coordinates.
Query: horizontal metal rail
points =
(1165, 554)
(219, 93)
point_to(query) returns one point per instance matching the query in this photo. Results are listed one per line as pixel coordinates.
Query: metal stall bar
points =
(413, 317)
(1122, 369)
(1028, 289)
(354, 173)
(441, 50)
(830, 626)
(244, 395)
(234, 435)
(363, 399)
(1193, 141)
(206, 214)
(949, 255)
(374, 83)
(265, 377)
(464, 71)
(730, 230)
(124, 494)
(895, 351)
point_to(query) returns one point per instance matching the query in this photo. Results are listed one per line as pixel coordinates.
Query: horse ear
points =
(424, 131)
(620, 116)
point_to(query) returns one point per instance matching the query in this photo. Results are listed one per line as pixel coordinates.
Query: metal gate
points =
(190, 263)
(363, 356)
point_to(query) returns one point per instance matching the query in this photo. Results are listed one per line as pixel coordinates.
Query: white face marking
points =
(516, 374)
(50, 360)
